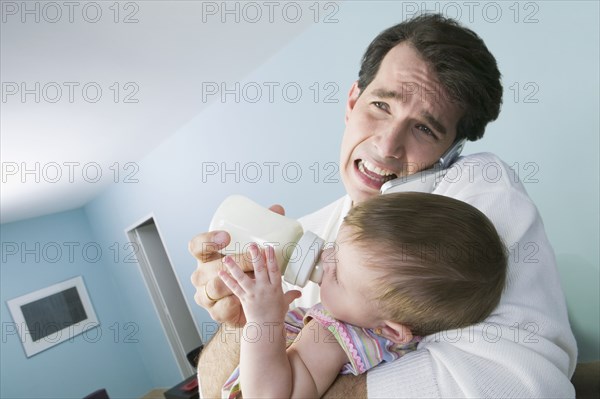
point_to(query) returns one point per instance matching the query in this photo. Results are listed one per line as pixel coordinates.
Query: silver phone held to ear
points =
(425, 181)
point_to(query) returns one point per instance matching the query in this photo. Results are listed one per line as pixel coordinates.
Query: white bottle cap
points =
(303, 260)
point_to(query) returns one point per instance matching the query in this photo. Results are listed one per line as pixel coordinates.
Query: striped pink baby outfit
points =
(364, 348)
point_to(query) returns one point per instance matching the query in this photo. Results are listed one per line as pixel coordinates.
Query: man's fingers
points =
(218, 288)
(277, 209)
(213, 287)
(205, 246)
(228, 310)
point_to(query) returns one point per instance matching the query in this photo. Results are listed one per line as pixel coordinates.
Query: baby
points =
(404, 265)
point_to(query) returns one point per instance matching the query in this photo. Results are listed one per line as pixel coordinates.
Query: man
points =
(423, 85)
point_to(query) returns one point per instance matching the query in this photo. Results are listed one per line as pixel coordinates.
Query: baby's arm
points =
(264, 367)
(309, 366)
(316, 359)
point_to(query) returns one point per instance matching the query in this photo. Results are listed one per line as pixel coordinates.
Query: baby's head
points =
(431, 263)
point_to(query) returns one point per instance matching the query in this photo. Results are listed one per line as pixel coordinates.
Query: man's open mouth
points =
(372, 174)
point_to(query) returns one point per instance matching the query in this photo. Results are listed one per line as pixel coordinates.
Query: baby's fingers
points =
(258, 264)
(231, 283)
(291, 296)
(237, 274)
(272, 266)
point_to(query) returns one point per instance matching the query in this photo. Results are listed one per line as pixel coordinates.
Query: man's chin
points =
(363, 195)
(360, 192)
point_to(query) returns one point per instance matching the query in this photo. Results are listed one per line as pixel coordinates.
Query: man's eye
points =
(427, 131)
(381, 105)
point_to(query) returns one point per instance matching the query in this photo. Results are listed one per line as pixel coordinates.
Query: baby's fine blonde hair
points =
(442, 263)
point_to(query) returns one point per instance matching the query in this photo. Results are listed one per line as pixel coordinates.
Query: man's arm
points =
(348, 386)
(221, 355)
(218, 360)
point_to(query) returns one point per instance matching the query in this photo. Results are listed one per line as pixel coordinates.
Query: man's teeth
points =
(363, 164)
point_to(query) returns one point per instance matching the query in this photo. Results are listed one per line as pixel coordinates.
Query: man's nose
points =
(391, 142)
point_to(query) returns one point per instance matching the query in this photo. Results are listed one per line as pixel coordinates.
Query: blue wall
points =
(104, 357)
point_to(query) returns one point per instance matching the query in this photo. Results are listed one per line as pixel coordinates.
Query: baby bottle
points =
(297, 252)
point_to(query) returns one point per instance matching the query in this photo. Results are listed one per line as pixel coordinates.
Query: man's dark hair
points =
(463, 64)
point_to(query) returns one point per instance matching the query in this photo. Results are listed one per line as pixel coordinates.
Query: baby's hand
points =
(262, 298)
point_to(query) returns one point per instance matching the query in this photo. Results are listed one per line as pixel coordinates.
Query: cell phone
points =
(425, 181)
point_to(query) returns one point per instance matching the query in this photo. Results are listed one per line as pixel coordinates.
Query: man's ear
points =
(396, 332)
(352, 98)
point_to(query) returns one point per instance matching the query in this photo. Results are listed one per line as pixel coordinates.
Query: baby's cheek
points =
(325, 293)
(326, 254)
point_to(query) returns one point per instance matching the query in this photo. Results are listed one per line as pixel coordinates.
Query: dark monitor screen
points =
(53, 313)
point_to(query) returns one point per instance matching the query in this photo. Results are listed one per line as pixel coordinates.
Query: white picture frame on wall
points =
(51, 315)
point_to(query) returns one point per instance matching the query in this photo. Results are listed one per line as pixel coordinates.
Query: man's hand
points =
(211, 293)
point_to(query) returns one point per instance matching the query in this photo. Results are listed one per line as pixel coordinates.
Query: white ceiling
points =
(161, 61)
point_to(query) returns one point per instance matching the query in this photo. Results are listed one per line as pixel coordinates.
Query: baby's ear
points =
(396, 332)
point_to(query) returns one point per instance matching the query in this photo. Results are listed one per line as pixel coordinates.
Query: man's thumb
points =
(277, 209)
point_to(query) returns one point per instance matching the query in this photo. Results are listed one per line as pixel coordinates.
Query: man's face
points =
(401, 123)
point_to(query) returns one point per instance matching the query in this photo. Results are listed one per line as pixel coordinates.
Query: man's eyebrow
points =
(383, 93)
(432, 120)
(437, 125)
